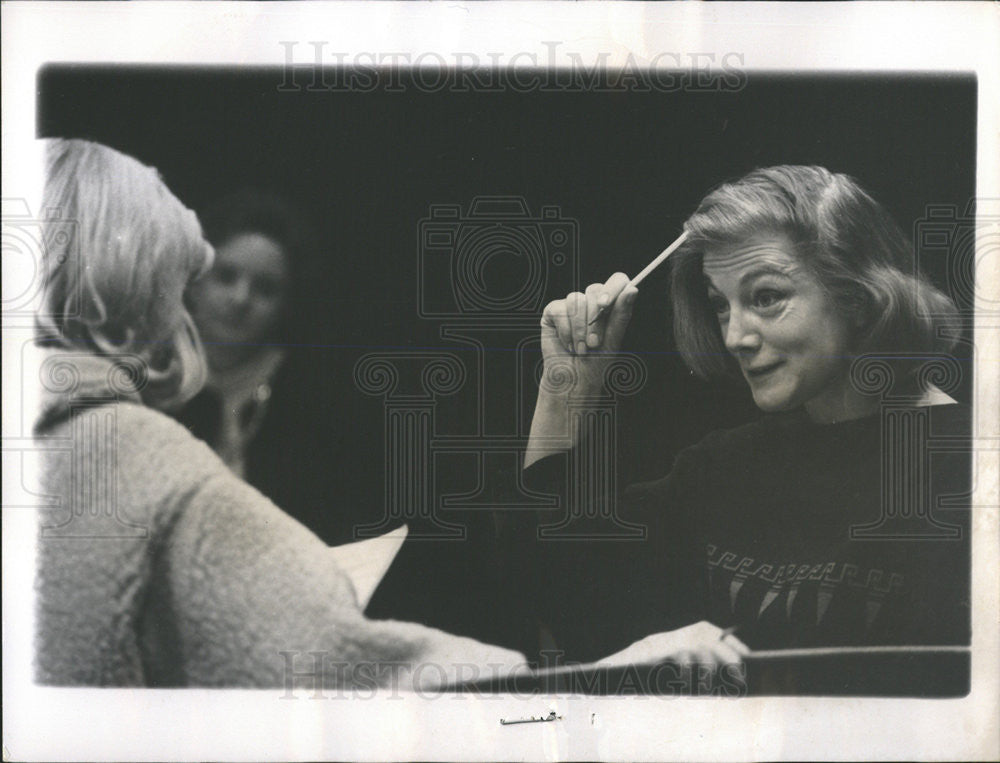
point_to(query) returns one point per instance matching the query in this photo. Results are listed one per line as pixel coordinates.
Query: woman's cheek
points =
(785, 330)
(266, 313)
(787, 314)
(205, 296)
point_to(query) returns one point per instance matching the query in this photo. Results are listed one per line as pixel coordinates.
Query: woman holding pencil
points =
(766, 536)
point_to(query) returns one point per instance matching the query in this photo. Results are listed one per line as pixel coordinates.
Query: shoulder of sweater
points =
(158, 466)
(719, 442)
(749, 437)
(953, 419)
(763, 436)
(950, 419)
(128, 416)
(169, 450)
(158, 424)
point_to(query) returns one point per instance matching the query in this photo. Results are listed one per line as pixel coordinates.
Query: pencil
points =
(647, 270)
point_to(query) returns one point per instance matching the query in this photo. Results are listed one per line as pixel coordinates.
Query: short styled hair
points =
(250, 210)
(847, 239)
(116, 287)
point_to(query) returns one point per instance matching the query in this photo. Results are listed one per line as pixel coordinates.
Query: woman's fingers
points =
(615, 285)
(735, 644)
(603, 301)
(722, 645)
(597, 300)
(576, 308)
(556, 330)
(725, 654)
(701, 642)
(715, 656)
(618, 320)
(585, 320)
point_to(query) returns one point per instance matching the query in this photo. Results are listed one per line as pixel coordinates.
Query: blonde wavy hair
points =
(116, 285)
(849, 241)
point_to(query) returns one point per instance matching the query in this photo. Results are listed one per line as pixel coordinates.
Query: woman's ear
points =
(864, 309)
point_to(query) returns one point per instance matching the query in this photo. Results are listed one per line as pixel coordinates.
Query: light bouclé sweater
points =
(161, 568)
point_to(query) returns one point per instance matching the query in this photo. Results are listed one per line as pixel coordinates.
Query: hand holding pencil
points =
(595, 320)
(591, 321)
(580, 336)
(660, 259)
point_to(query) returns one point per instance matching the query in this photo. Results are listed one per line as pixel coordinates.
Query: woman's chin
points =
(229, 337)
(771, 403)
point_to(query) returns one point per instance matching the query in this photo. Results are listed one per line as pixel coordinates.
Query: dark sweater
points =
(752, 528)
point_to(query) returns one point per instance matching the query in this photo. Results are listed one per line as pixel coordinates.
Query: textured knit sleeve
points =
(244, 595)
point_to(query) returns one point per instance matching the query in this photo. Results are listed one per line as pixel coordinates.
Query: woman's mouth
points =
(758, 372)
(233, 319)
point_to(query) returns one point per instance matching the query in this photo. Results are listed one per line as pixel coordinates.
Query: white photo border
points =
(47, 724)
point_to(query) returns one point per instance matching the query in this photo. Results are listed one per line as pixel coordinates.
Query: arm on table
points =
(249, 585)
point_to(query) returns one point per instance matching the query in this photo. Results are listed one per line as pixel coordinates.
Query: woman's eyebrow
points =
(765, 270)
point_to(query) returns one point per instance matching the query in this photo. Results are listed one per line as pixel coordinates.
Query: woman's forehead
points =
(255, 253)
(771, 253)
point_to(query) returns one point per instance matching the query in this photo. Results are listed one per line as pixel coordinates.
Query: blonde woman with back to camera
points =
(220, 582)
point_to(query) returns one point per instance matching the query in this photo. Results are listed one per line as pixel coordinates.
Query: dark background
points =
(365, 167)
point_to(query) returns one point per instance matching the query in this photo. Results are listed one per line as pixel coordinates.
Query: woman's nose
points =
(742, 335)
(239, 292)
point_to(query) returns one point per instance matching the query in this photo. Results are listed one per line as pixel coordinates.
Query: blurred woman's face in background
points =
(240, 300)
(789, 338)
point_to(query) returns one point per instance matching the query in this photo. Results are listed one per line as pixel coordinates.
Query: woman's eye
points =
(766, 298)
(225, 275)
(719, 306)
(267, 288)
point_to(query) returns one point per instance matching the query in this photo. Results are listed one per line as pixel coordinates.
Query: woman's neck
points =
(226, 357)
(841, 405)
(851, 404)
